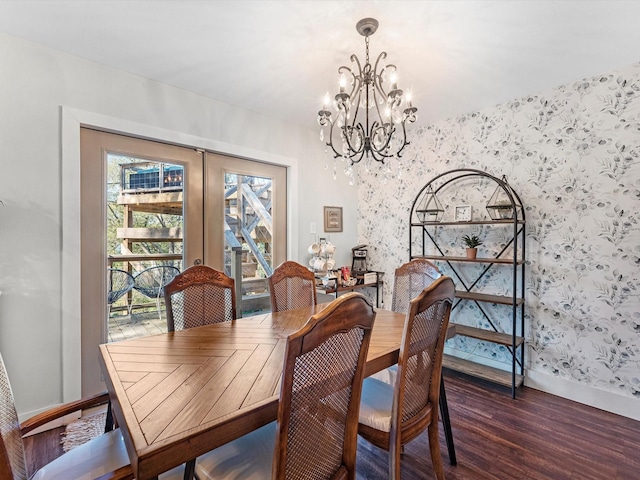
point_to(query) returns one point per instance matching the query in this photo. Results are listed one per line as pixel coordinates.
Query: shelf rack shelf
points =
(425, 244)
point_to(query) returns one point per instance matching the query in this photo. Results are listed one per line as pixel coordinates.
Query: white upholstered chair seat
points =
(388, 375)
(248, 458)
(94, 458)
(101, 455)
(376, 404)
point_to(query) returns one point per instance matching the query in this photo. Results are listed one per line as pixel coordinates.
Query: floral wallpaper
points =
(572, 155)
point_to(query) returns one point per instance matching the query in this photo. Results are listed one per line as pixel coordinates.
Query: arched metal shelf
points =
(420, 238)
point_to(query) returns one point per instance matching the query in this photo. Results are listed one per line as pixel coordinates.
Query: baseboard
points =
(587, 395)
(606, 400)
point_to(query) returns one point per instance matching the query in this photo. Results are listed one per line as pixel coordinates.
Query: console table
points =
(337, 291)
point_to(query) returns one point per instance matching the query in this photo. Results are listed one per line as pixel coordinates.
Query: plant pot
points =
(471, 253)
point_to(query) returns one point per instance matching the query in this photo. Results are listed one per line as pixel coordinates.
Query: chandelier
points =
(379, 131)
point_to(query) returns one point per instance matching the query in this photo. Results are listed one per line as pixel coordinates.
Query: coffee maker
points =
(359, 262)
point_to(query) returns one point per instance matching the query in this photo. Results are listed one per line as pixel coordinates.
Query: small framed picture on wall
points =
(332, 219)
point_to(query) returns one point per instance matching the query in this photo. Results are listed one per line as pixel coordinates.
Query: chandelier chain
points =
(366, 42)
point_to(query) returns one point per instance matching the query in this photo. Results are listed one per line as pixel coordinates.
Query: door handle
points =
(197, 261)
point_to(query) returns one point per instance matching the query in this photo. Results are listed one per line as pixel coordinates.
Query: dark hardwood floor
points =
(536, 436)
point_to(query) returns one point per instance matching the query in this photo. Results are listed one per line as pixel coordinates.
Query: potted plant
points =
(472, 243)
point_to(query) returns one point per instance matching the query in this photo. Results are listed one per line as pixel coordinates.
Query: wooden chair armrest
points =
(62, 410)
(123, 473)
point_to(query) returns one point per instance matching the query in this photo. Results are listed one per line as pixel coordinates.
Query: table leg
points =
(446, 424)
(109, 422)
(189, 470)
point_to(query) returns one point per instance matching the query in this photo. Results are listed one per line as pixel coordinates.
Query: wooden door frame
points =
(72, 119)
(95, 146)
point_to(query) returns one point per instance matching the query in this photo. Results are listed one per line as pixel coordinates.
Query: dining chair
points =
(200, 295)
(315, 435)
(409, 280)
(393, 415)
(151, 281)
(292, 286)
(104, 455)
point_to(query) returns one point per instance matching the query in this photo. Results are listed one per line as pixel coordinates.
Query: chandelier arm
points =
(388, 136)
(375, 101)
(363, 148)
(330, 142)
(376, 156)
(378, 84)
(342, 70)
(357, 160)
(378, 76)
(347, 138)
(404, 140)
(354, 58)
(356, 108)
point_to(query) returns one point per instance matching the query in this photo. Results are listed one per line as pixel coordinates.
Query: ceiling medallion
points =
(371, 112)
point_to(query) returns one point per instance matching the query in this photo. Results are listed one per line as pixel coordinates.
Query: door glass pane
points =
(145, 239)
(249, 236)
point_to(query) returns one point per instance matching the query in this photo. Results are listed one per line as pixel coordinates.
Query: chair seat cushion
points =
(101, 455)
(388, 375)
(249, 457)
(376, 404)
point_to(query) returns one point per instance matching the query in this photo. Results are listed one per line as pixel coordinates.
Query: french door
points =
(146, 203)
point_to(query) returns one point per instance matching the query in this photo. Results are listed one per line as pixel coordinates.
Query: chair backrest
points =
(119, 282)
(409, 280)
(199, 296)
(320, 391)
(420, 358)
(292, 286)
(12, 459)
(151, 281)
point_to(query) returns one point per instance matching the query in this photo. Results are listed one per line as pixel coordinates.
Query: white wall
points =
(35, 83)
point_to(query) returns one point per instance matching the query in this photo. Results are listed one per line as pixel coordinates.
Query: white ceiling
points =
(280, 57)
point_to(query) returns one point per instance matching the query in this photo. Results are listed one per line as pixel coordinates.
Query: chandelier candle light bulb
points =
(394, 81)
(379, 132)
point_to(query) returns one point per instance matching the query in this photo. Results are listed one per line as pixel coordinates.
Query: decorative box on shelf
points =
(370, 277)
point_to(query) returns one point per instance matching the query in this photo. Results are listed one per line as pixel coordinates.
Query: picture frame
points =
(332, 219)
(463, 213)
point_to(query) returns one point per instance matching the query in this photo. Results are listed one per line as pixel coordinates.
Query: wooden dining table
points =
(178, 395)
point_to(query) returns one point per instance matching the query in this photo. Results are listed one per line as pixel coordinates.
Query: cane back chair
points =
(292, 286)
(102, 455)
(409, 280)
(198, 296)
(315, 436)
(393, 415)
